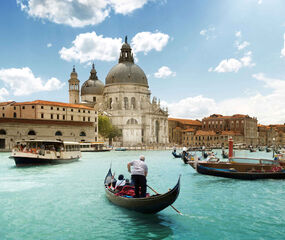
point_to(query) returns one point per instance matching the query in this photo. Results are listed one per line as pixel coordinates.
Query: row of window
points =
(51, 108)
(33, 133)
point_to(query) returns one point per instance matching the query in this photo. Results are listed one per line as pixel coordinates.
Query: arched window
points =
(133, 103)
(82, 134)
(2, 132)
(126, 103)
(110, 103)
(32, 132)
(132, 121)
(58, 133)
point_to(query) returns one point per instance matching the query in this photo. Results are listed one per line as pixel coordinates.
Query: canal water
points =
(67, 202)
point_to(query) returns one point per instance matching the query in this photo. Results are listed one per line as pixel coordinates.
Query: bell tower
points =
(73, 87)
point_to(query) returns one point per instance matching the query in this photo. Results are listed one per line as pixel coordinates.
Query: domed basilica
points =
(125, 98)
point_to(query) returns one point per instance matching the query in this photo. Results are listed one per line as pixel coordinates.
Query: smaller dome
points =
(93, 86)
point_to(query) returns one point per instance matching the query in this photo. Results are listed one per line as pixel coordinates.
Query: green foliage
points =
(106, 129)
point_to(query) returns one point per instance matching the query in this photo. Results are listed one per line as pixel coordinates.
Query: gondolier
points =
(139, 172)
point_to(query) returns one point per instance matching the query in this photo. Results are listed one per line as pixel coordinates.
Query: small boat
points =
(120, 149)
(93, 147)
(174, 153)
(268, 149)
(225, 154)
(278, 173)
(150, 205)
(38, 152)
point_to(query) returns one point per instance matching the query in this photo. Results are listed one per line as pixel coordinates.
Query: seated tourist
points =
(127, 182)
(121, 181)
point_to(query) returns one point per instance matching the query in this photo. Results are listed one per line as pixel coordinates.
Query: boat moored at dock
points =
(39, 152)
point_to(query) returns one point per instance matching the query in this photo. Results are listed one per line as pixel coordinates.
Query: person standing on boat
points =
(139, 172)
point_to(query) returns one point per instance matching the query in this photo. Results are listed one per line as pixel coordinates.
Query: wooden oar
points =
(170, 205)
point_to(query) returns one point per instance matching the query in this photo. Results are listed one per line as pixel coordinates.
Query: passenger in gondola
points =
(120, 182)
(138, 170)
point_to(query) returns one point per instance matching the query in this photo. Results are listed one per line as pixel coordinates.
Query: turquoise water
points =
(67, 201)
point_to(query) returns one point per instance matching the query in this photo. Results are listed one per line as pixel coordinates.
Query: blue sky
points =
(201, 56)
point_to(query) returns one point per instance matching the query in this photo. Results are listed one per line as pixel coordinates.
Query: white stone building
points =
(125, 98)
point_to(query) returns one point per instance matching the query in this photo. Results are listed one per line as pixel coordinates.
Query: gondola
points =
(176, 155)
(231, 173)
(149, 205)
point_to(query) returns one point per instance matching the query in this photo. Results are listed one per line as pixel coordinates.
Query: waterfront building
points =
(125, 98)
(279, 138)
(45, 120)
(181, 129)
(238, 124)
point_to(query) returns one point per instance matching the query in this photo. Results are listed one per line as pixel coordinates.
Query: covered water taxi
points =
(39, 152)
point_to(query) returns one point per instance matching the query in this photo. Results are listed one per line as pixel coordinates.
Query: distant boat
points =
(39, 152)
(268, 149)
(174, 153)
(93, 147)
(250, 175)
(120, 149)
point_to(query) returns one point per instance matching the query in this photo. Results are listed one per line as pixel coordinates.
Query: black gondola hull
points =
(239, 175)
(148, 205)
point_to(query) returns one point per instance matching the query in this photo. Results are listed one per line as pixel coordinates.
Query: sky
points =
(200, 56)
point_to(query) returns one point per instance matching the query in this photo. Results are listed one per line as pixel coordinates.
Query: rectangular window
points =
(83, 111)
(3, 108)
(51, 116)
(23, 107)
(88, 119)
(95, 119)
(63, 109)
(57, 109)
(71, 110)
(42, 107)
(15, 115)
(88, 111)
(84, 119)
(71, 118)
(42, 115)
(3, 114)
(63, 117)
(14, 108)
(33, 107)
(51, 108)
(78, 110)
(57, 116)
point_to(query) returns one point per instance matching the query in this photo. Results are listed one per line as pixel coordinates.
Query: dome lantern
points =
(126, 53)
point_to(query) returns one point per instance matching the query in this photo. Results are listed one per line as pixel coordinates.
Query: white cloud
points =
(228, 65)
(78, 13)
(49, 45)
(3, 93)
(283, 49)
(238, 34)
(126, 6)
(164, 72)
(22, 81)
(147, 41)
(90, 46)
(242, 45)
(268, 109)
(208, 33)
(234, 65)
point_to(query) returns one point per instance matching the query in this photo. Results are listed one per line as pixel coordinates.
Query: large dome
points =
(93, 86)
(126, 71)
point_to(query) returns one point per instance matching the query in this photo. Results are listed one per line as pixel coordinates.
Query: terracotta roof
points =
(50, 103)
(205, 133)
(226, 117)
(186, 121)
(231, 133)
(6, 103)
(189, 130)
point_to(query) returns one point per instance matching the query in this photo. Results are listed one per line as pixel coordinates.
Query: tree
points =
(106, 129)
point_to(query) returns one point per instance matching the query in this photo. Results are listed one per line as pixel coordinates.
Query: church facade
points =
(125, 98)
